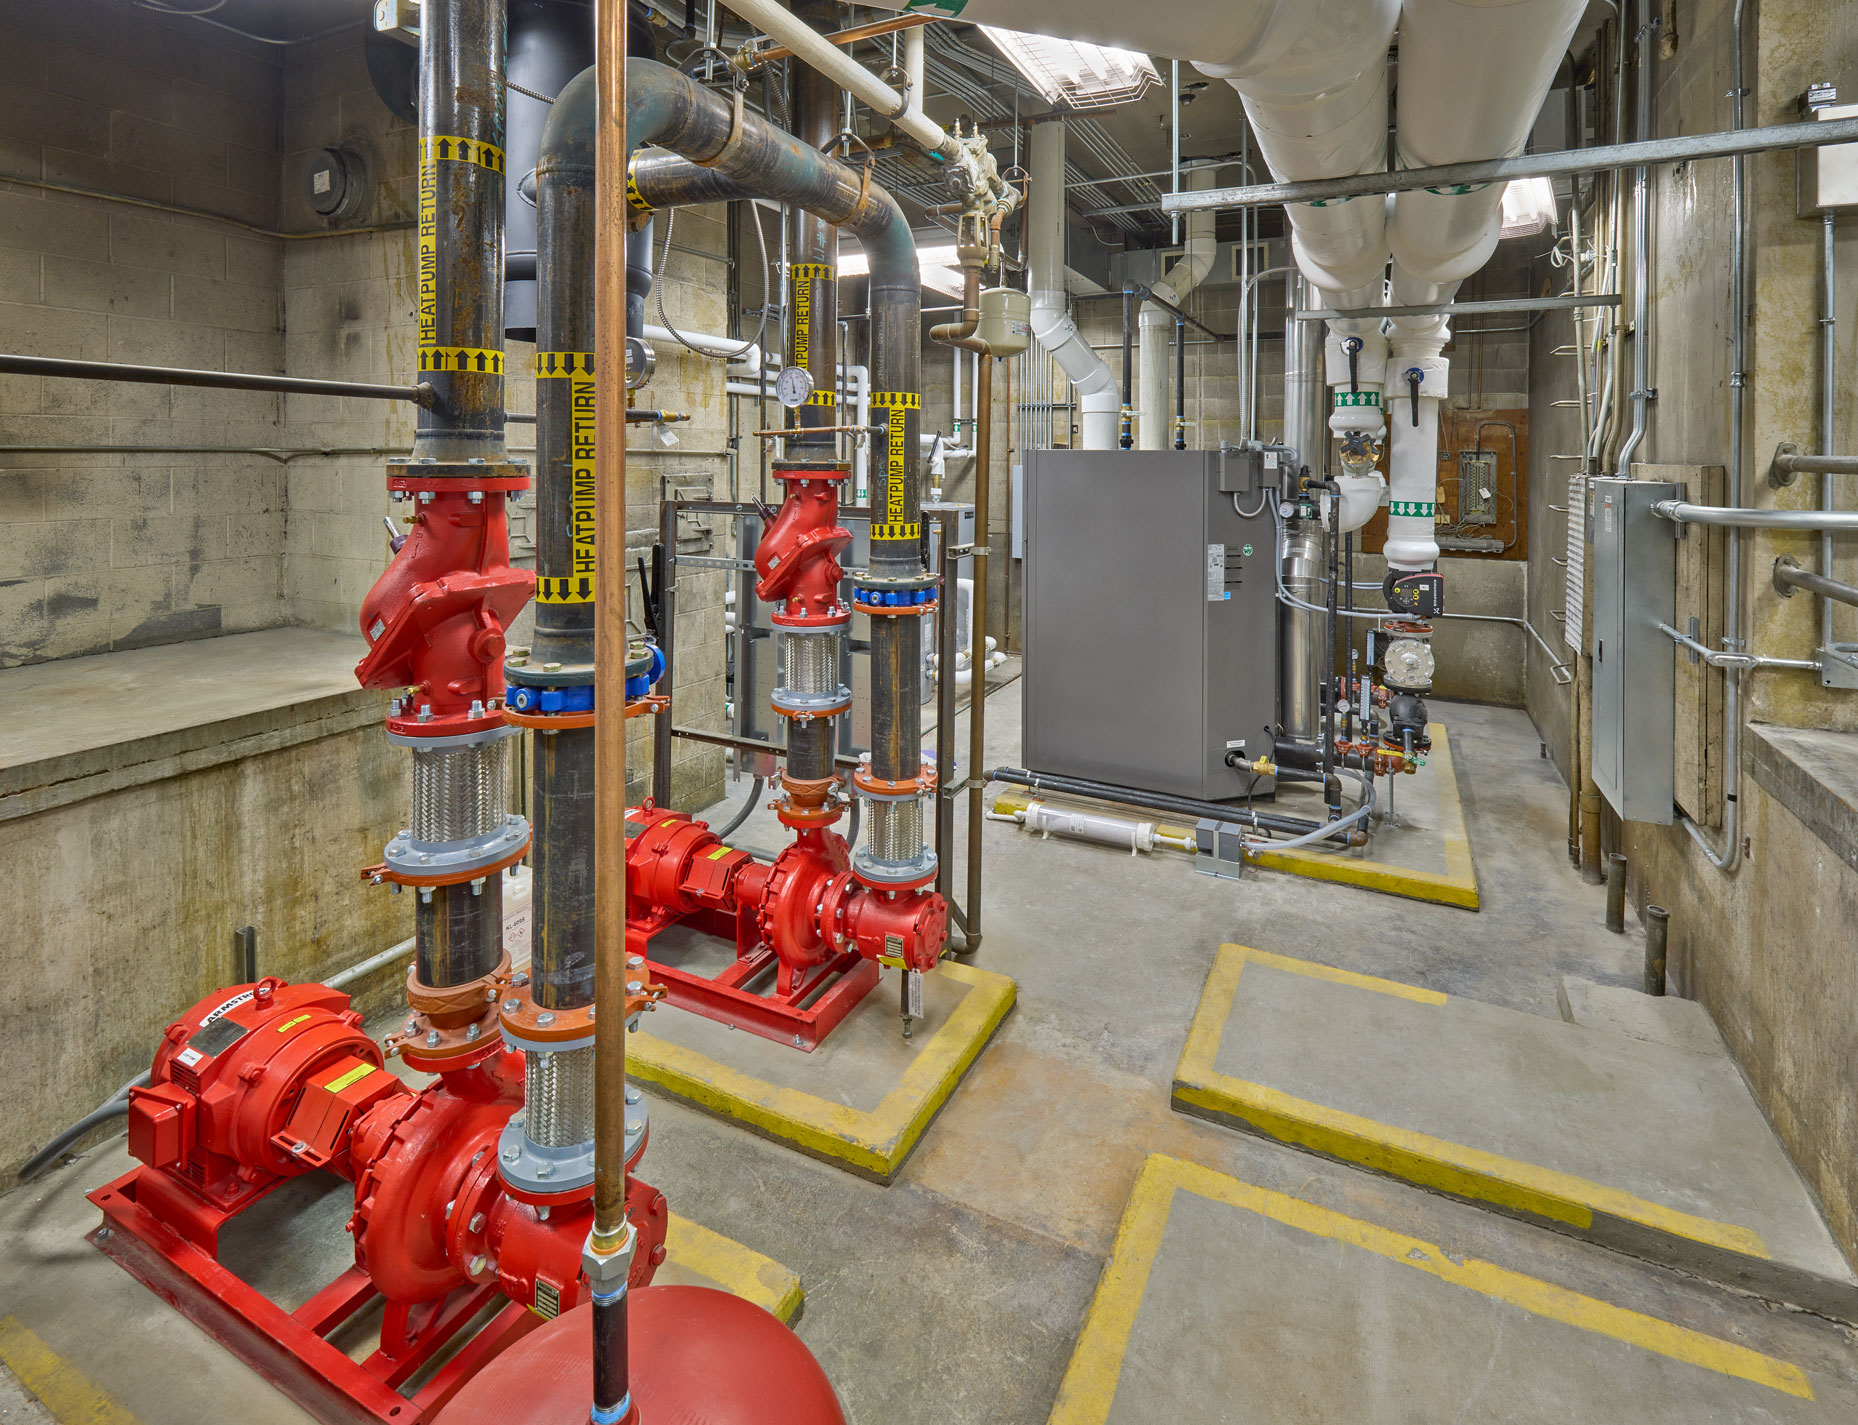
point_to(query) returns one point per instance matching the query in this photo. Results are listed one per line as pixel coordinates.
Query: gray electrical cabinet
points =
(1634, 562)
(1150, 620)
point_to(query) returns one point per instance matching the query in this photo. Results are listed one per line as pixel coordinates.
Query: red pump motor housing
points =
(261, 1083)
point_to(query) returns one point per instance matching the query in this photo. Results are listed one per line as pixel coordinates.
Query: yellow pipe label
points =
(577, 587)
(471, 360)
(434, 150)
(563, 363)
(895, 405)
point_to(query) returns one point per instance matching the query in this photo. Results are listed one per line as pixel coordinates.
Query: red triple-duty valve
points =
(435, 619)
(797, 561)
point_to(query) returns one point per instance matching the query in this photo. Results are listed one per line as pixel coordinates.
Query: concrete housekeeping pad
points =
(862, 1098)
(1642, 1146)
(1424, 854)
(1223, 1301)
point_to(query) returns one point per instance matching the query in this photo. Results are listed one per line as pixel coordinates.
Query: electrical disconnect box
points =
(1150, 620)
(1634, 560)
(1477, 487)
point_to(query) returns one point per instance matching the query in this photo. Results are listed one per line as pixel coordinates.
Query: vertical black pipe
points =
(1180, 385)
(813, 255)
(461, 166)
(563, 811)
(458, 935)
(550, 41)
(1128, 438)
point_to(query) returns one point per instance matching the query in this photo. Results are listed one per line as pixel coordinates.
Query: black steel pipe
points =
(1303, 757)
(460, 233)
(813, 255)
(1161, 801)
(1616, 893)
(723, 161)
(458, 934)
(750, 744)
(1127, 438)
(423, 395)
(1657, 931)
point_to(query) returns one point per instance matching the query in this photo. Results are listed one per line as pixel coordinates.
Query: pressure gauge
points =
(793, 387)
(641, 362)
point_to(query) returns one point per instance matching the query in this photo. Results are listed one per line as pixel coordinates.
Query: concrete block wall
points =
(104, 550)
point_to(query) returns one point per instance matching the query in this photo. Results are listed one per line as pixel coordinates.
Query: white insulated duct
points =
(1099, 400)
(1157, 323)
(1473, 75)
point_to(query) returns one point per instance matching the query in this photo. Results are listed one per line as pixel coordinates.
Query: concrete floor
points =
(956, 1294)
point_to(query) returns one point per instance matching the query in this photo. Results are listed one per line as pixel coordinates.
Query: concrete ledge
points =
(1456, 885)
(862, 1099)
(1655, 1151)
(84, 727)
(1227, 1301)
(696, 1256)
(1813, 774)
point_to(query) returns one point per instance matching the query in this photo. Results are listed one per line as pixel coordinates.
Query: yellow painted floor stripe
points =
(874, 1142)
(63, 1389)
(737, 1269)
(1455, 886)
(1089, 1387)
(1416, 1157)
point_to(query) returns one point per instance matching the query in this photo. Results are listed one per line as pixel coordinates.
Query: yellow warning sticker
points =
(563, 363)
(719, 853)
(291, 1024)
(448, 148)
(471, 360)
(353, 1076)
(896, 406)
(577, 586)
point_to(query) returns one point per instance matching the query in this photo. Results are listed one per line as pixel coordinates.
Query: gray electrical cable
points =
(767, 291)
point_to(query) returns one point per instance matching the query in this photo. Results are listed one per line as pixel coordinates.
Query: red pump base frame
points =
(802, 1020)
(291, 1349)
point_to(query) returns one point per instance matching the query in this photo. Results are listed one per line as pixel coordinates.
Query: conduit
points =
(1099, 403)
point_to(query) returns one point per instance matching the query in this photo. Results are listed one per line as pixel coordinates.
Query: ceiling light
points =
(1528, 207)
(940, 266)
(1083, 76)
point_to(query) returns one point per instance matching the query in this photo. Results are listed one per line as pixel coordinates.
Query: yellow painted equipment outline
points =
(64, 1390)
(1419, 1158)
(737, 1269)
(1457, 885)
(873, 1143)
(1089, 1387)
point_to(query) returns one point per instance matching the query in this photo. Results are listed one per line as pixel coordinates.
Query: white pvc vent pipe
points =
(1099, 400)
(1153, 409)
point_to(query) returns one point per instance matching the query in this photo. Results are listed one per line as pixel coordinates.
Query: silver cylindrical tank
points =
(1306, 426)
(1302, 635)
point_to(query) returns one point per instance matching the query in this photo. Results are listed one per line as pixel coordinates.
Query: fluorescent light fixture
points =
(1528, 207)
(940, 268)
(1084, 76)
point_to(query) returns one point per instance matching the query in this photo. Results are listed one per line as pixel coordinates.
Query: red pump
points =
(259, 1084)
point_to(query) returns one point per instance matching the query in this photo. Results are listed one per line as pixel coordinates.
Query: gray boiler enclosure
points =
(1150, 622)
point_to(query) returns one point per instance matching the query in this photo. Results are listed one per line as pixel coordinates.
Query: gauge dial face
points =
(793, 387)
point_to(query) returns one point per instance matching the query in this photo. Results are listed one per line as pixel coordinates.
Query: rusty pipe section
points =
(726, 154)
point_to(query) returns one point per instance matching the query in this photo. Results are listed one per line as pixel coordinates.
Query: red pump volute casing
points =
(436, 617)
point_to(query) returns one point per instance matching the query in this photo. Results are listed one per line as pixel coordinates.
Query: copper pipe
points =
(758, 58)
(611, 1236)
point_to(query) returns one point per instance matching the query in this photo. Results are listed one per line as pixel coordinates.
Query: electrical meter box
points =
(1634, 561)
(1150, 622)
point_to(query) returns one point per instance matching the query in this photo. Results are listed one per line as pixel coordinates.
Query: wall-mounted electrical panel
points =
(1634, 557)
(1477, 487)
(1828, 176)
(1150, 621)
